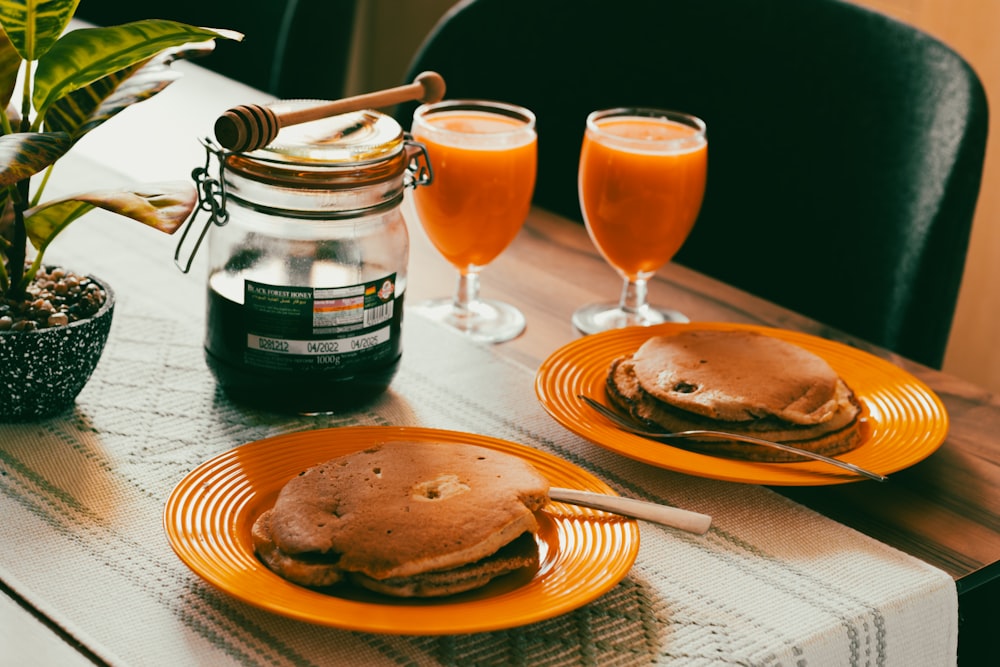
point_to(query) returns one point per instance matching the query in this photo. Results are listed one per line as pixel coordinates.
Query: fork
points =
(632, 427)
(674, 517)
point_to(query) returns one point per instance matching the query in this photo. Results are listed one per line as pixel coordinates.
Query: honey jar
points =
(307, 263)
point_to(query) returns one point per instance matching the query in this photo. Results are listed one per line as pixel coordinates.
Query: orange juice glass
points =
(483, 160)
(641, 183)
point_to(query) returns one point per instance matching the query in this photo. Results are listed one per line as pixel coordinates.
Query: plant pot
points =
(42, 371)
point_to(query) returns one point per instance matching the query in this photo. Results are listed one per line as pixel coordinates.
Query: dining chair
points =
(291, 48)
(845, 147)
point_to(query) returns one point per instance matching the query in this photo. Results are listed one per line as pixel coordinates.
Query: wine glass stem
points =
(633, 299)
(467, 292)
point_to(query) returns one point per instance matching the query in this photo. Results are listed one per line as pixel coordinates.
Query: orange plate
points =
(905, 422)
(208, 516)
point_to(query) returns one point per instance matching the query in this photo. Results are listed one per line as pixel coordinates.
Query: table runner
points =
(82, 495)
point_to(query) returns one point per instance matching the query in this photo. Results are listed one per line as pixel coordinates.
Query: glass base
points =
(485, 320)
(598, 317)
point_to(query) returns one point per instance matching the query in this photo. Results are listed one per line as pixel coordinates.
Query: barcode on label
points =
(378, 314)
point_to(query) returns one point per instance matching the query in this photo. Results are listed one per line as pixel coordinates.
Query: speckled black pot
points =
(43, 371)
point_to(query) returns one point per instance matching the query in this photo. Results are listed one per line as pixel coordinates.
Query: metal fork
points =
(632, 427)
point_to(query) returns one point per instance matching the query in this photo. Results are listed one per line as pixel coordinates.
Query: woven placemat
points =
(82, 498)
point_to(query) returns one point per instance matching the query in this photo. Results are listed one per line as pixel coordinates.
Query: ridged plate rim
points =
(904, 420)
(209, 514)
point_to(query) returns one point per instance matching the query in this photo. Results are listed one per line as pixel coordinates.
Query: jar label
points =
(317, 328)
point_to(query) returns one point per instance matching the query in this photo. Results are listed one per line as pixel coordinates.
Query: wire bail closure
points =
(212, 192)
(211, 199)
(418, 169)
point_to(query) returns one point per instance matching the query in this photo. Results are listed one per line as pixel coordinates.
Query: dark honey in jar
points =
(308, 274)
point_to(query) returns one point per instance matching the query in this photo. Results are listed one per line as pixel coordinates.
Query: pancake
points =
(519, 554)
(316, 572)
(387, 517)
(774, 391)
(738, 376)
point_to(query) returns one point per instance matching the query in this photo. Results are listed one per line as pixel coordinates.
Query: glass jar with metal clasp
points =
(307, 262)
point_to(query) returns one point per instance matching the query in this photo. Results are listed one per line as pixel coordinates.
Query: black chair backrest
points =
(845, 148)
(291, 48)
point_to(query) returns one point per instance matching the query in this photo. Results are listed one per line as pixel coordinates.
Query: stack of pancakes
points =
(409, 519)
(740, 382)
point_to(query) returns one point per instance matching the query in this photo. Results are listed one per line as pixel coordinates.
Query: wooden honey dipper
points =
(252, 126)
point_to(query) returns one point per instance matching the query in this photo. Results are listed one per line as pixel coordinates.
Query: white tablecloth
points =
(82, 496)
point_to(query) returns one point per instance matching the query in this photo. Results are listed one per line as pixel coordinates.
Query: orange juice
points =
(484, 176)
(641, 183)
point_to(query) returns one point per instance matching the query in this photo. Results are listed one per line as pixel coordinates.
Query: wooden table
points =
(944, 511)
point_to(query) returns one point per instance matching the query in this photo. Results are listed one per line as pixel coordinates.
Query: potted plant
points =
(57, 86)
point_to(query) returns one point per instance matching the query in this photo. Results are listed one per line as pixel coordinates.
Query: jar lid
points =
(339, 150)
(358, 136)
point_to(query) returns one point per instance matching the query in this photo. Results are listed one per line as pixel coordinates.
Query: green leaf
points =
(71, 112)
(87, 108)
(52, 219)
(81, 57)
(10, 63)
(27, 153)
(162, 206)
(33, 26)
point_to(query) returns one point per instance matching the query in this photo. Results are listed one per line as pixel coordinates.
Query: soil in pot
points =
(51, 342)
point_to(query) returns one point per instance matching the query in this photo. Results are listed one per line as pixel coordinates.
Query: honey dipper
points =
(252, 126)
